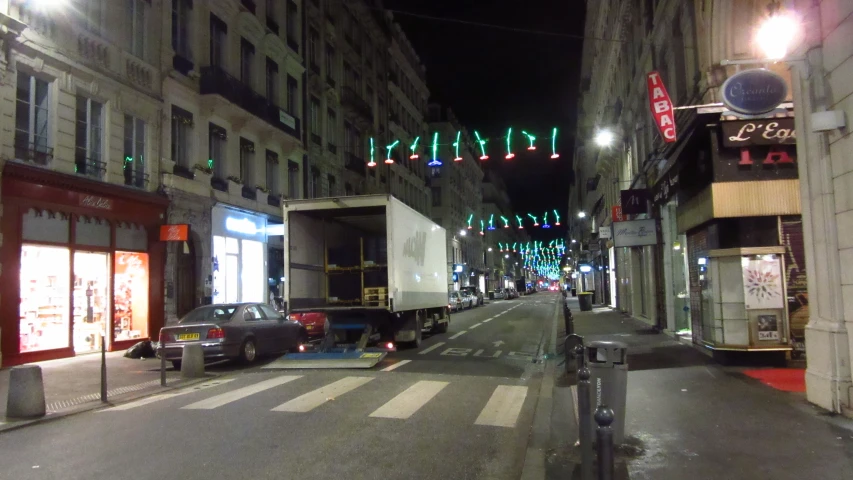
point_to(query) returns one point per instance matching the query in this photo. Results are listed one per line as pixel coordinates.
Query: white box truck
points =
(377, 270)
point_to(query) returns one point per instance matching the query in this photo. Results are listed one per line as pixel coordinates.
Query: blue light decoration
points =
(492, 222)
(435, 162)
(545, 221)
(456, 144)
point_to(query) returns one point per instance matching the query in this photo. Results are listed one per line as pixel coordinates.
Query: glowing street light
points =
(604, 138)
(463, 233)
(581, 214)
(775, 35)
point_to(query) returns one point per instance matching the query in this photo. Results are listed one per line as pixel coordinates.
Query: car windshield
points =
(210, 313)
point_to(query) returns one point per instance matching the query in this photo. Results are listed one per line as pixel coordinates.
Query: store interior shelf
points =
(331, 269)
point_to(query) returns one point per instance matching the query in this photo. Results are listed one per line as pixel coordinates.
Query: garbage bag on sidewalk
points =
(141, 350)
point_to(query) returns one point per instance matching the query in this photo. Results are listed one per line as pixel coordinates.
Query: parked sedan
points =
(478, 295)
(455, 301)
(237, 331)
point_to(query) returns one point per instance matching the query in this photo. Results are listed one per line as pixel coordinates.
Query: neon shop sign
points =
(242, 225)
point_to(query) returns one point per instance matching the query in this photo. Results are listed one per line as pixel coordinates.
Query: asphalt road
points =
(459, 407)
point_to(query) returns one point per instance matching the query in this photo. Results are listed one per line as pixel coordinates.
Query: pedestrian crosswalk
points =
(502, 409)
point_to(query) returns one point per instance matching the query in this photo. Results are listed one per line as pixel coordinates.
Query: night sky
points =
(522, 75)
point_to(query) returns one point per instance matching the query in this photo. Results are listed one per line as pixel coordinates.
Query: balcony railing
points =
(182, 171)
(134, 178)
(219, 184)
(90, 167)
(30, 152)
(351, 98)
(274, 200)
(354, 164)
(215, 81)
(249, 193)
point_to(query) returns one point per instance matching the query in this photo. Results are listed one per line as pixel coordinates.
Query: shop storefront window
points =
(131, 296)
(90, 299)
(45, 292)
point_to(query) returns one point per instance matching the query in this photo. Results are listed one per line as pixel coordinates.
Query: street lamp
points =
(48, 5)
(490, 249)
(604, 138)
(581, 214)
(463, 233)
(775, 35)
(574, 241)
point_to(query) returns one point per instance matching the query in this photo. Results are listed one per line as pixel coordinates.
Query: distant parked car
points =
(237, 331)
(455, 301)
(315, 323)
(478, 295)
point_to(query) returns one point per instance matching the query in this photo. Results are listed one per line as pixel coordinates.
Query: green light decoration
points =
(557, 215)
(388, 151)
(520, 223)
(372, 162)
(435, 162)
(482, 229)
(506, 221)
(509, 154)
(513, 246)
(492, 222)
(482, 144)
(456, 144)
(128, 160)
(531, 139)
(470, 219)
(210, 163)
(554, 153)
(414, 149)
(535, 220)
(545, 221)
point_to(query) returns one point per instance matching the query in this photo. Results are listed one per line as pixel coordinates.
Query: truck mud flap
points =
(319, 360)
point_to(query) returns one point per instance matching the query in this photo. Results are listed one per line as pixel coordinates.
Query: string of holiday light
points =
(520, 221)
(457, 144)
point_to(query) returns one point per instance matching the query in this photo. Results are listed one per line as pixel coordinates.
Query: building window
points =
(92, 12)
(292, 96)
(331, 71)
(292, 179)
(247, 157)
(272, 81)
(348, 189)
(313, 49)
(32, 117)
(134, 152)
(332, 186)
(247, 59)
(181, 18)
(436, 196)
(272, 173)
(315, 183)
(272, 16)
(89, 136)
(292, 24)
(137, 14)
(218, 41)
(182, 124)
(316, 121)
(332, 130)
(216, 148)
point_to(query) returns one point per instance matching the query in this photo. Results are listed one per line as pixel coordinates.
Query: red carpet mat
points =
(785, 379)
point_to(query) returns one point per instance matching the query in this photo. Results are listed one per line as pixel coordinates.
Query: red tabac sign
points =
(616, 213)
(661, 106)
(174, 233)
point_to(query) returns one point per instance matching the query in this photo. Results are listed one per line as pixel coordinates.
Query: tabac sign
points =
(661, 107)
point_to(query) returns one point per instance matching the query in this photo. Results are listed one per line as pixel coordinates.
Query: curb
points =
(13, 424)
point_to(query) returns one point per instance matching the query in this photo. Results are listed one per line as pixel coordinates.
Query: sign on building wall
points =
(767, 131)
(605, 233)
(661, 107)
(754, 92)
(616, 213)
(635, 233)
(634, 202)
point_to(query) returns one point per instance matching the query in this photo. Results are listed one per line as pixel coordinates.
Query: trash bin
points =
(574, 292)
(585, 300)
(608, 368)
(491, 295)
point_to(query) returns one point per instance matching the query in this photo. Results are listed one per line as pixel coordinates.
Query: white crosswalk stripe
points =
(503, 408)
(410, 401)
(312, 400)
(166, 396)
(240, 393)
(395, 366)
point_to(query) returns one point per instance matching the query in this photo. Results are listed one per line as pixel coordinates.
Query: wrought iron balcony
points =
(354, 163)
(134, 178)
(30, 152)
(350, 98)
(90, 167)
(216, 81)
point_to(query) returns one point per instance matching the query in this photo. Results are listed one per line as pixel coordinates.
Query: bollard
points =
(568, 319)
(162, 364)
(573, 358)
(584, 415)
(103, 368)
(192, 362)
(26, 393)
(604, 439)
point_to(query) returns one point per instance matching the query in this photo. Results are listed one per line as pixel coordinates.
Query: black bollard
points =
(604, 417)
(584, 415)
(103, 368)
(568, 319)
(162, 364)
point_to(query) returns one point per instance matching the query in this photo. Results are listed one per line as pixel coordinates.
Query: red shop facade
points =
(80, 259)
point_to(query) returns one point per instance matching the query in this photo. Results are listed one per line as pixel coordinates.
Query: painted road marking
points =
(423, 352)
(488, 319)
(240, 393)
(166, 396)
(495, 355)
(472, 327)
(463, 332)
(457, 352)
(410, 401)
(313, 399)
(503, 407)
(520, 356)
(395, 366)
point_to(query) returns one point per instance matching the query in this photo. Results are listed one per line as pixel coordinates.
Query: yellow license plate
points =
(371, 355)
(309, 327)
(183, 337)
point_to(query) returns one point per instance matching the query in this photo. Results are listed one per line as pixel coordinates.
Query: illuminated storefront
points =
(81, 260)
(239, 256)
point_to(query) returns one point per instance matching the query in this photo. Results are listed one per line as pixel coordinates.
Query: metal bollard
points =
(604, 436)
(573, 359)
(568, 319)
(162, 363)
(103, 368)
(584, 415)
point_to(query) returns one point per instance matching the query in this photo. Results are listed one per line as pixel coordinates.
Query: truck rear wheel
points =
(419, 327)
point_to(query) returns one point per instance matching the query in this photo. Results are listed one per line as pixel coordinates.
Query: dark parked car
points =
(238, 331)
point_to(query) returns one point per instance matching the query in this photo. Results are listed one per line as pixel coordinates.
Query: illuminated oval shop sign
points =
(754, 92)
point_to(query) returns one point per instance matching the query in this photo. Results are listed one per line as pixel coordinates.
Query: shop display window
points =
(131, 296)
(91, 299)
(253, 271)
(45, 292)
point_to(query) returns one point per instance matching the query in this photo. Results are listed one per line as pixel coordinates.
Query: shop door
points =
(90, 300)
(185, 288)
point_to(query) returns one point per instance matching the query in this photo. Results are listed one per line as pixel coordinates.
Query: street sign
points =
(661, 107)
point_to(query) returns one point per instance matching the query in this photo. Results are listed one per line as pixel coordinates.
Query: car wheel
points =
(176, 364)
(248, 352)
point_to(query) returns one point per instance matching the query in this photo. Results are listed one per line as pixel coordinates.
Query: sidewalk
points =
(74, 384)
(690, 418)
